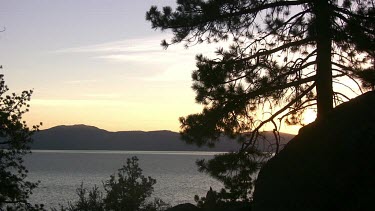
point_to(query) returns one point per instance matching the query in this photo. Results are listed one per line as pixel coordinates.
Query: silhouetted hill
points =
(83, 137)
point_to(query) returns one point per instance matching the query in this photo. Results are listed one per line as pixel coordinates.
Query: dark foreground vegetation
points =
(285, 57)
(278, 59)
(129, 190)
(14, 139)
(329, 164)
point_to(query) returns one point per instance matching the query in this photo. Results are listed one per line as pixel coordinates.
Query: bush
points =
(128, 191)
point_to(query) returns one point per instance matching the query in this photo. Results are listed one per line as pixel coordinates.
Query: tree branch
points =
(263, 52)
(287, 106)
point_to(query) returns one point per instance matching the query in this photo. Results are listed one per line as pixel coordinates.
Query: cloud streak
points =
(104, 95)
(175, 63)
(78, 103)
(129, 46)
(142, 49)
(81, 81)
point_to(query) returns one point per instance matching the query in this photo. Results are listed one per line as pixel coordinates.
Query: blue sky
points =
(96, 62)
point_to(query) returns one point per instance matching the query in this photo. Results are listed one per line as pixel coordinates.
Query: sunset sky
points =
(98, 63)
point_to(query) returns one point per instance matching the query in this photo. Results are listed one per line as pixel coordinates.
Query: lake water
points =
(62, 171)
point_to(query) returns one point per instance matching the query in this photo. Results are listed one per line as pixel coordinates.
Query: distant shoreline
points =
(135, 152)
(84, 137)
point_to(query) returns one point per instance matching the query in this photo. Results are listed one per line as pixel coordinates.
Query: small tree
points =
(126, 192)
(15, 138)
(130, 189)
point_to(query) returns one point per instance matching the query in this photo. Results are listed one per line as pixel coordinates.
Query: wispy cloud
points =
(140, 50)
(172, 64)
(78, 103)
(80, 81)
(129, 45)
(103, 95)
(146, 57)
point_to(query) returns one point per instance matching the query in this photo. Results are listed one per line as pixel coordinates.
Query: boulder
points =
(184, 207)
(329, 165)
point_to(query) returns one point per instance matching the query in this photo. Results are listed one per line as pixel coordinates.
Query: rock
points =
(233, 206)
(329, 165)
(184, 207)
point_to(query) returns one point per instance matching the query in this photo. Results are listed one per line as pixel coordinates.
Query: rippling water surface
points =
(62, 171)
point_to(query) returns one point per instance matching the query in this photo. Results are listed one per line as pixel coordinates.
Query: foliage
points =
(213, 201)
(235, 171)
(284, 57)
(87, 200)
(128, 191)
(15, 137)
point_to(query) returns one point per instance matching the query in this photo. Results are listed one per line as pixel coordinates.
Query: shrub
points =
(128, 191)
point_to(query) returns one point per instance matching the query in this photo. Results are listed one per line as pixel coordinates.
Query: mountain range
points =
(84, 137)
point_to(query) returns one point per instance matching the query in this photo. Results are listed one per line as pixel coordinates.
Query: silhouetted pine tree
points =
(285, 56)
(15, 138)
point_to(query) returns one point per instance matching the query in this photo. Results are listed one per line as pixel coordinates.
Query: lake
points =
(60, 172)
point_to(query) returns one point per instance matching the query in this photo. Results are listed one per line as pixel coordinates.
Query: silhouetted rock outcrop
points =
(329, 165)
(229, 206)
(184, 207)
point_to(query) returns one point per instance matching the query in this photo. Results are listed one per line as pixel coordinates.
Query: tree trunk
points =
(324, 67)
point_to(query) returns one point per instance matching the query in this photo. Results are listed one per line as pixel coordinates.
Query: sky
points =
(97, 62)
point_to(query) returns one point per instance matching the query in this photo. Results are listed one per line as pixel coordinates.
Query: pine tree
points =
(15, 137)
(285, 56)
